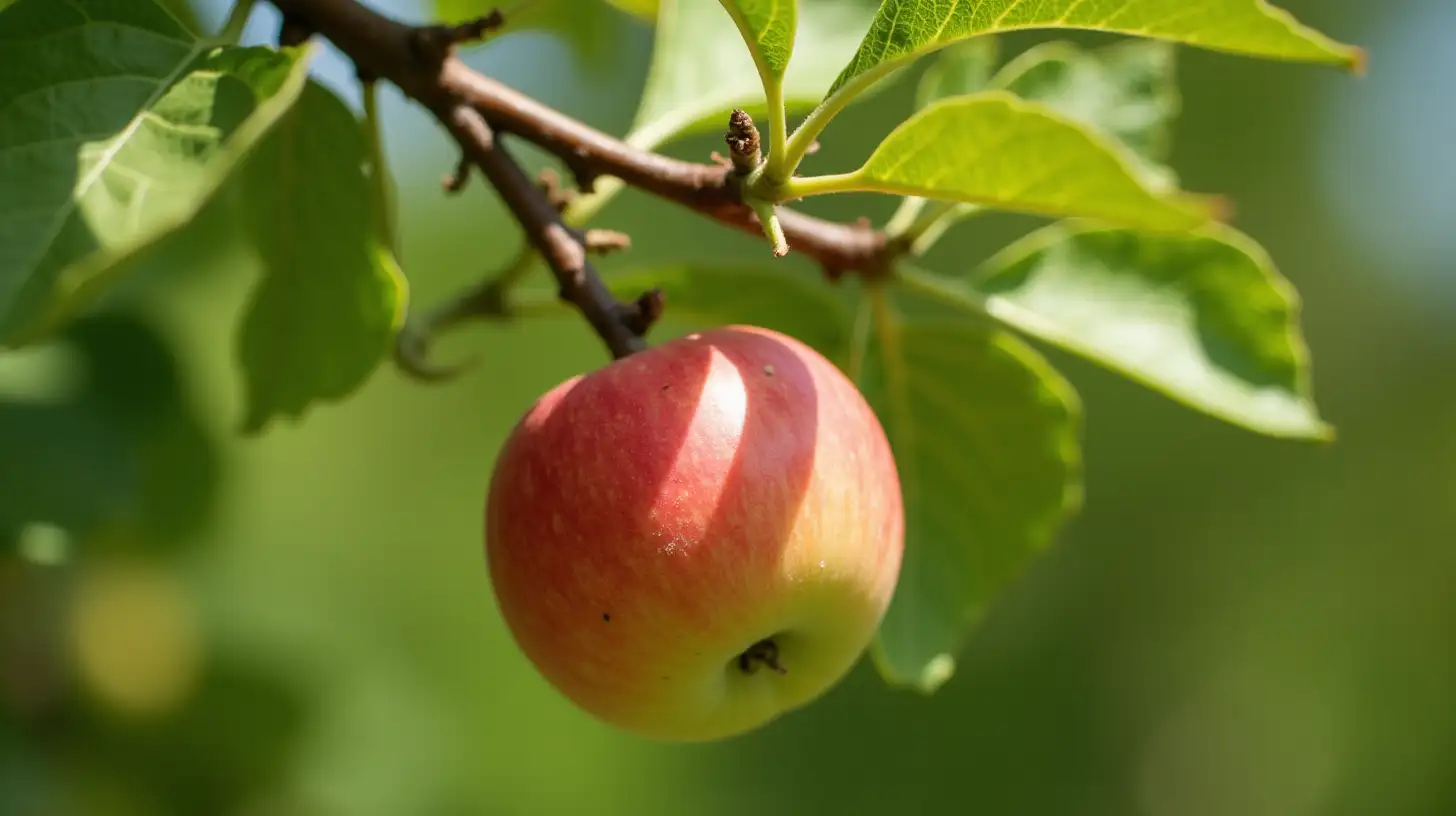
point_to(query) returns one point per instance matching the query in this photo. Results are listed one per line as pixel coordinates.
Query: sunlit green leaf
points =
(906, 29)
(962, 68)
(1127, 90)
(767, 27)
(999, 151)
(645, 9)
(117, 126)
(986, 439)
(1204, 318)
(701, 70)
(331, 297)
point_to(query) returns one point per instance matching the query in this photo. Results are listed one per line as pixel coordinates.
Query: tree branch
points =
(421, 62)
(561, 246)
(439, 81)
(701, 187)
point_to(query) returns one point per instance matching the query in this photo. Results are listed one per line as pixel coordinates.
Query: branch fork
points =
(477, 111)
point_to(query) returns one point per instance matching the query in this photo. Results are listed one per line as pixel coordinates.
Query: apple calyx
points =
(764, 652)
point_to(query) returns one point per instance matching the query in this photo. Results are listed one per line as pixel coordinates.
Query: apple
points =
(697, 538)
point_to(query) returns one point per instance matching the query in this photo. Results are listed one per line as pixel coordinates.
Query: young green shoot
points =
(808, 131)
(772, 229)
(920, 222)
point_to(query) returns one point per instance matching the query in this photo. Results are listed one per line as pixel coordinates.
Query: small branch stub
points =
(455, 181)
(436, 42)
(604, 241)
(557, 193)
(561, 247)
(644, 311)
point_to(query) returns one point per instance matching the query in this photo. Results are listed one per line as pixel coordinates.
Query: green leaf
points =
(906, 29)
(986, 439)
(960, 69)
(700, 70)
(1127, 90)
(642, 9)
(121, 459)
(753, 295)
(999, 151)
(332, 296)
(767, 27)
(1204, 318)
(117, 126)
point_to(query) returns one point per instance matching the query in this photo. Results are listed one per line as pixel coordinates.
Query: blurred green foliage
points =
(300, 623)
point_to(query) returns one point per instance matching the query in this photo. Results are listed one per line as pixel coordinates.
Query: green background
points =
(1233, 626)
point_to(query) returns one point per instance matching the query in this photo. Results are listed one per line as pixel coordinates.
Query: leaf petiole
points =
(805, 186)
(381, 184)
(936, 288)
(920, 222)
(237, 20)
(778, 137)
(772, 229)
(813, 125)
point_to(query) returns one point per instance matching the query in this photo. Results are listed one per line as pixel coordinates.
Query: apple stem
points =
(766, 652)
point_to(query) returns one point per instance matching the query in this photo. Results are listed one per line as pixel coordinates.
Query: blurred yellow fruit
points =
(136, 640)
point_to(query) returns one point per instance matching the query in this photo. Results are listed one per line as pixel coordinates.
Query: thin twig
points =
(562, 248)
(475, 109)
(383, 46)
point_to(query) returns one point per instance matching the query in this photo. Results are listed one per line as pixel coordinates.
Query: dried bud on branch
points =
(743, 142)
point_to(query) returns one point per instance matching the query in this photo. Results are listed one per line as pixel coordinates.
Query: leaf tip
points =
(936, 671)
(1221, 208)
(258, 418)
(253, 425)
(935, 674)
(1359, 60)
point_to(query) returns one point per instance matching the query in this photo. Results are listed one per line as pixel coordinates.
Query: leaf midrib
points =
(882, 67)
(118, 141)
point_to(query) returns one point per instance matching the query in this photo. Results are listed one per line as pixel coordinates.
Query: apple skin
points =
(649, 522)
